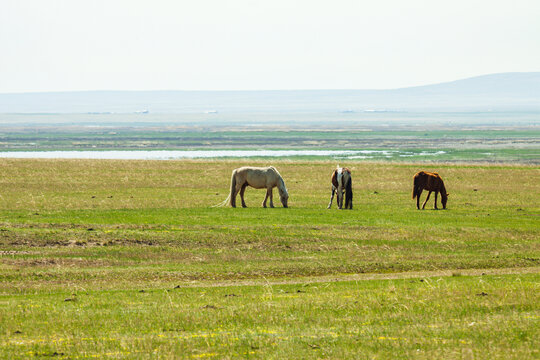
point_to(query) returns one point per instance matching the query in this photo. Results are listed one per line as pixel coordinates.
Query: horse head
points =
(283, 194)
(284, 199)
(444, 199)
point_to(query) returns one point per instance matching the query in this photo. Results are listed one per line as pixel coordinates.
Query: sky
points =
(72, 45)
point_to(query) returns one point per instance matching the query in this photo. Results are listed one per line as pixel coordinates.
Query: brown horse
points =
(341, 182)
(430, 182)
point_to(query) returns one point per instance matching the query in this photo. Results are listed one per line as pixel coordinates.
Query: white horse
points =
(342, 182)
(259, 178)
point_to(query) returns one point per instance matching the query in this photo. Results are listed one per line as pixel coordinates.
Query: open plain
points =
(128, 259)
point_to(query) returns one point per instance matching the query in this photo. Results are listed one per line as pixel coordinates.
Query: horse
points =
(259, 178)
(431, 182)
(342, 182)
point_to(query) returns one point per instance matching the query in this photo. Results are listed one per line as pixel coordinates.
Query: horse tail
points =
(223, 203)
(416, 186)
(233, 188)
(348, 193)
(229, 198)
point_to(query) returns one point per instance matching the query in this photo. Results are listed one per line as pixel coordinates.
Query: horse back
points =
(260, 177)
(429, 181)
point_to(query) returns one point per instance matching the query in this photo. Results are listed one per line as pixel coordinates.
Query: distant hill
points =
(496, 92)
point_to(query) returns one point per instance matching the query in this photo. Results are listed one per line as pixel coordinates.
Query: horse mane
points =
(282, 185)
(443, 190)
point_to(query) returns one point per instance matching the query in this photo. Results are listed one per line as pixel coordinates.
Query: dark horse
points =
(430, 182)
(342, 182)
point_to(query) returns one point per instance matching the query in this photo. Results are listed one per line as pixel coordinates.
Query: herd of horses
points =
(341, 180)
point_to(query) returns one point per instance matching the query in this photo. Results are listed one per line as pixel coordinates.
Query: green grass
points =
(451, 317)
(80, 240)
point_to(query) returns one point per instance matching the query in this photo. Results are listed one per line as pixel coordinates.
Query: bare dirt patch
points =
(369, 277)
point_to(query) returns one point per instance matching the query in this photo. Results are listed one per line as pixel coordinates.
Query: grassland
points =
(127, 259)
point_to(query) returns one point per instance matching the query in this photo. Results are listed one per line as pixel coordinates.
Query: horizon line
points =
(269, 90)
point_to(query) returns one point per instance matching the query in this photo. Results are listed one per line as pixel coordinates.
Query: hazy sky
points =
(251, 44)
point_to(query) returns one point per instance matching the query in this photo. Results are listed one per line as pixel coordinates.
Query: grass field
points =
(127, 259)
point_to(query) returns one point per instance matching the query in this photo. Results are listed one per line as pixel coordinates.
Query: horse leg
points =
(340, 199)
(265, 198)
(436, 192)
(242, 195)
(233, 196)
(418, 199)
(332, 197)
(427, 198)
(271, 198)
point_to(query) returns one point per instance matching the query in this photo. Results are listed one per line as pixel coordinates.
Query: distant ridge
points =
(495, 92)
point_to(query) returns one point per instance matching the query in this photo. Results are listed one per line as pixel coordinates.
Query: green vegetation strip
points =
(475, 144)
